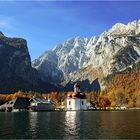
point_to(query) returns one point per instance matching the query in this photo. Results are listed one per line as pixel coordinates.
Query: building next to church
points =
(76, 100)
(38, 104)
(16, 105)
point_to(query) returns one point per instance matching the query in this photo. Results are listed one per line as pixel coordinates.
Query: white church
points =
(76, 100)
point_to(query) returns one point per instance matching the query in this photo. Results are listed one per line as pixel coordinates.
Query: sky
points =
(45, 24)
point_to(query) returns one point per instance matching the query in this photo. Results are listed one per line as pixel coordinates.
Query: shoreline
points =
(92, 110)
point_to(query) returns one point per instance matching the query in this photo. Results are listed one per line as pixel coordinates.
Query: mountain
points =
(89, 59)
(16, 72)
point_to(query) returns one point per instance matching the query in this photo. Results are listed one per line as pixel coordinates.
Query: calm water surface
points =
(70, 125)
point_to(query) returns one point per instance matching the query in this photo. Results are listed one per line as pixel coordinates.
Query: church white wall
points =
(76, 104)
(84, 106)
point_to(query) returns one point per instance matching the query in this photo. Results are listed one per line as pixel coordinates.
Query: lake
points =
(70, 125)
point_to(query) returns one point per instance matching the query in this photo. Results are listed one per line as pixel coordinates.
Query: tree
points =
(120, 97)
(103, 102)
(138, 99)
(130, 104)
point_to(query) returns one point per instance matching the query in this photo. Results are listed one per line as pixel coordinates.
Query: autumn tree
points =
(120, 97)
(131, 104)
(103, 102)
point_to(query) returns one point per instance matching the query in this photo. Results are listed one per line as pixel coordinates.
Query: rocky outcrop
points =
(80, 58)
(16, 72)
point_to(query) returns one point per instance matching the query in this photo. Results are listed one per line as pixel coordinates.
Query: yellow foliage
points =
(113, 104)
(130, 104)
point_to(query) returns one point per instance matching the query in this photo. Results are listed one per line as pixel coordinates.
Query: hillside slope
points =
(80, 59)
(16, 72)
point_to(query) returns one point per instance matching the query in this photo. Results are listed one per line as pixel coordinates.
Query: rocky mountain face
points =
(87, 59)
(16, 72)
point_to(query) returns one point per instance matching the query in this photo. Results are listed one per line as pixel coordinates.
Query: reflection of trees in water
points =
(71, 125)
(119, 125)
(20, 125)
(14, 125)
(6, 123)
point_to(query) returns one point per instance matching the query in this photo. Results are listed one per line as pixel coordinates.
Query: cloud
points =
(6, 23)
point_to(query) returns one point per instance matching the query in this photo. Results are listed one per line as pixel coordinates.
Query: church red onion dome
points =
(75, 95)
(69, 95)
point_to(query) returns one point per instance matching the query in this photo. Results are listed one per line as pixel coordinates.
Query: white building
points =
(37, 104)
(76, 100)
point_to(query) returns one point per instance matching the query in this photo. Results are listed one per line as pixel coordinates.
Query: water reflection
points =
(33, 123)
(40, 124)
(119, 125)
(72, 125)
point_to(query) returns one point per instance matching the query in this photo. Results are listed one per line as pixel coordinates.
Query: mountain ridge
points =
(16, 72)
(87, 60)
(112, 51)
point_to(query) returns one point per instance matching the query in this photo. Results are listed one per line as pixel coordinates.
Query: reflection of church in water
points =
(76, 100)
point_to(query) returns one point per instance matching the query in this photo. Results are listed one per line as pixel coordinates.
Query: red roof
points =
(75, 95)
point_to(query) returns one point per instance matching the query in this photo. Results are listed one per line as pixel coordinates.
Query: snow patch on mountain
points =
(112, 51)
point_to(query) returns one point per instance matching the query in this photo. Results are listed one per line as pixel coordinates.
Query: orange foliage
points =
(7, 97)
(131, 104)
(54, 96)
(103, 102)
(129, 81)
(2, 98)
(123, 88)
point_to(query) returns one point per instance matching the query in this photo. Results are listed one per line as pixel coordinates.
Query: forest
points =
(123, 89)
